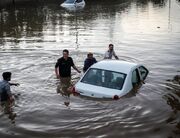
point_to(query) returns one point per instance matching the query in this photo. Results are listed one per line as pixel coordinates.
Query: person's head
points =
(65, 53)
(90, 55)
(111, 46)
(7, 76)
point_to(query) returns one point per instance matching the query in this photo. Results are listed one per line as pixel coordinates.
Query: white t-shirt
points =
(109, 54)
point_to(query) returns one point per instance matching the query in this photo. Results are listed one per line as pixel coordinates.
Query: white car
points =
(73, 3)
(110, 79)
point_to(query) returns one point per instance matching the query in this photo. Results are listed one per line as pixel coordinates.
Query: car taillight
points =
(74, 92)
(116, 97)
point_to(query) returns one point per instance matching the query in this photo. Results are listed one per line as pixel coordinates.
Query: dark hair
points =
(6, 75)
(111, 45)
(65, 50)
(89, 54)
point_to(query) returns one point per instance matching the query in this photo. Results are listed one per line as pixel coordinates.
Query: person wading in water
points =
(63, 72)
(110, 53)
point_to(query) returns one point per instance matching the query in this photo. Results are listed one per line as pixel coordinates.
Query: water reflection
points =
(42, 21)
(75, 9)
(73, 5)
(39, 18)
(7, 109)
(46, 23)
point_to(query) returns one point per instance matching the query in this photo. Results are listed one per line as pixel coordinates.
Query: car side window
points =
(135, 77)
(143, 72)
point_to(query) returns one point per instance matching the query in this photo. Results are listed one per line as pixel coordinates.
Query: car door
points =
(143, 72)
(135, 77)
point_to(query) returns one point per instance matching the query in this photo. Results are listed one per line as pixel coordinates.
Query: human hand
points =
(16, 84)
(143, 81)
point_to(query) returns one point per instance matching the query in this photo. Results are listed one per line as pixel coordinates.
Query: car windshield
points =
(104, 78)
(73, 1)
(69, 1)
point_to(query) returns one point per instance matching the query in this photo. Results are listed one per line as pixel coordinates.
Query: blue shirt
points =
(5, 90)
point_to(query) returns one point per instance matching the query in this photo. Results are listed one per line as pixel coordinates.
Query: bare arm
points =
(57, 72)
(116, 57)
(74, 67)
(14, 84)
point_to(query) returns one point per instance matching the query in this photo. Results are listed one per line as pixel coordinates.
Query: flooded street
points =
(32, 37)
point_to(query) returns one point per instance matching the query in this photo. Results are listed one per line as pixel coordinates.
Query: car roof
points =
(115, 65)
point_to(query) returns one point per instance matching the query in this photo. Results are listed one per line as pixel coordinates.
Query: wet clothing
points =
(88, 62)
(109, 54)
(65, 84)
(5, 91)
(64, 66)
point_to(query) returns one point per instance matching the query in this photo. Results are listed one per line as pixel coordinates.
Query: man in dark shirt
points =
(90, 60)
(64, 64)
(63, 71)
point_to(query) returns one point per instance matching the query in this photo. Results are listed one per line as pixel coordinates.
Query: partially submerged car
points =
(73, 3)
(110, 79)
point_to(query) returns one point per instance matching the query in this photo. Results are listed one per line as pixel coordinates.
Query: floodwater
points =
(32, 37)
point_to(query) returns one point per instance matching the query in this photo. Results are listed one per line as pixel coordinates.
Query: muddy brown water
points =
(32, 37)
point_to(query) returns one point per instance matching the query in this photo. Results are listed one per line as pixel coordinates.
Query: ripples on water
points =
(32, 37)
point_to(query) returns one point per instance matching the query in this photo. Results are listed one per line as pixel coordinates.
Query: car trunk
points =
(96, 91)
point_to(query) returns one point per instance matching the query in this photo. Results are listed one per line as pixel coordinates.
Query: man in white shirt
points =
(110, 53)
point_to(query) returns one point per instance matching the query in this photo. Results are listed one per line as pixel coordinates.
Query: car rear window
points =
(104, 78)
